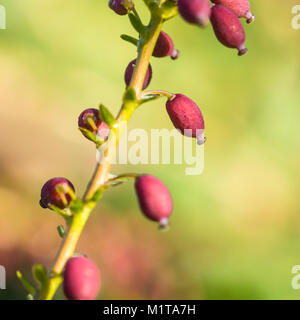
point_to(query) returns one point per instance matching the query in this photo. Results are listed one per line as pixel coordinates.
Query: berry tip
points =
(250, 19)
(164, 224)
(242, 51)
(175, 54)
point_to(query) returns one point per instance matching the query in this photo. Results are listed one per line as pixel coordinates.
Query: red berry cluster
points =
(224, 17)
(81, 276)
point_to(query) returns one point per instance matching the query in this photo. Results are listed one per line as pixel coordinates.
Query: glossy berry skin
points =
(81, 279)
(98, 127)
(164, 47)
(51, 195)
(241, 8)
(129, 72)
(228, 28)
(186, 117)
(118, 6)
(195, 11)
(154, 198)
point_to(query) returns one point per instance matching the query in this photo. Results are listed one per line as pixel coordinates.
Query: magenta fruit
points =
(121, 7)
(129, 72)
(165, 47)
(81, 279)
(195, 11)
(90, 120)
(154, 198)
(228, 29)
(241, 8)
(186, 117)
(57, 192)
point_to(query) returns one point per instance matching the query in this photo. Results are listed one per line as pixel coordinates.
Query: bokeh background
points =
(235, 229)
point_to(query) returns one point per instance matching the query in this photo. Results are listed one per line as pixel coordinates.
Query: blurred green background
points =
(235, 229)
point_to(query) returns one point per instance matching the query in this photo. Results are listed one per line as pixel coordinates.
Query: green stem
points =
(67, 249)
(100, 175)
(145, 54)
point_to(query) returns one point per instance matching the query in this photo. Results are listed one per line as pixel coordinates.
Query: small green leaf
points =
(56, 209)
(61, 231)
(152, 4)
(63, 213)
(129, 95)
(129, 39)
(97, 195)
(26, 284)
(88, 134)
(99, 143)
(40, 275)
(76, 206)
(106, 116)
(136, 23)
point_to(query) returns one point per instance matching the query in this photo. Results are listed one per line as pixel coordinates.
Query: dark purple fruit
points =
(57, 192)
(90, 120)
(129, 72)
(121, 7)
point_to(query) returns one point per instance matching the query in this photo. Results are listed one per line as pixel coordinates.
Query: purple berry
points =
(57, 192)
(90, 120)
(241, 8)
(186, 117)
(154, 198)
(81, 279)
(121, 7)
(228, 28)
(195, 11)
(129, 72)
(164, 47)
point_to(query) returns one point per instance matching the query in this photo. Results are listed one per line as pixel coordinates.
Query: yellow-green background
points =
(235, 229)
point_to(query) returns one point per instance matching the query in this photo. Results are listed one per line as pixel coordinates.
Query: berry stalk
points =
(137, 81)
(76, 224)
(80, 277)
(145, 54)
